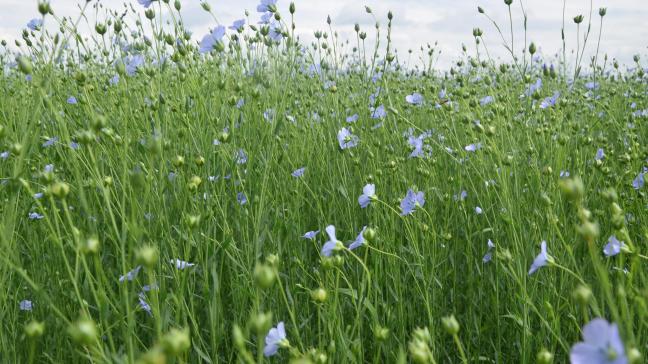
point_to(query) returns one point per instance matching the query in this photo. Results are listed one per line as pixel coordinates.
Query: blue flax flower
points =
(411, 201)
(414, 99)
(266, 6)
(210, 40)
(275, 339)
(26, 305)
(541, 259)
(145, 3)
(346, 139)
(332, 243)
(298, 172)
(368, 193)
(613, 247)
(130, 275)
(35, 24)
(601, 344)
(359, 240)
(311, 235)
(238, 25)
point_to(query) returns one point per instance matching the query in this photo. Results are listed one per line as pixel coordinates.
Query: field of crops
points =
(243, 196)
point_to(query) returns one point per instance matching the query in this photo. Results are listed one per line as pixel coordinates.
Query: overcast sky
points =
(416, 22)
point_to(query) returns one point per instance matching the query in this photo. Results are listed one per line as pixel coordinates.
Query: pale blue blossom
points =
(601, 344)
(332, 243)
(368, 193)
(25, 305)
(414, 99)
(131, 274)
(541, 259)
(298, 172)
(181, 264)
(359, 240)
(275, 339)
(613, 246)
(346, 139)
(411, 201)
(311, 235)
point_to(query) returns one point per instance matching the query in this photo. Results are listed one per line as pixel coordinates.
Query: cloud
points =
(416, 22)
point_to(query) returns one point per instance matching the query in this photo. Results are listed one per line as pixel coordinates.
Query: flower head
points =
(352, 119)
(133, 63)
(346, 139)
(534, 87)
(141, 297)
(489, 253)
(298, 172)
(332, 243)
(241, 198)
(379, 112)
(368, 192)
(145, 3)
(600, 154)
(72, 100)
(35, 216)
(275, 33)
(130, 275)
(237, 25)
(411, 201)
(275, 339)
(181, 264)
(210, 40)
(613, 247)
(359, 240)
(550, 101)
(486, 100)
(25, 305)
(311, 235)
(473, 147)
(414, 99)
(541, 259)
(601, 345)
(639, 181)
(266, 5)
(417, 143)
(50, 141)
(241, 157)
(35, 24)
(592, 85)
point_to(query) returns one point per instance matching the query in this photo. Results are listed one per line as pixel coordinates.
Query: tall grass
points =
(182, 165)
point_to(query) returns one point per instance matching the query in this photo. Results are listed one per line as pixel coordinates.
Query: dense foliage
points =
(251, 198)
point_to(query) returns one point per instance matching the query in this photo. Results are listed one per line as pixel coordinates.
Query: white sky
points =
(416, 22)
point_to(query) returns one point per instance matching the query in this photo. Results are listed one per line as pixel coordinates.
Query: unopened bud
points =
(175, 342)
(34, 329)
(91, 245)
(264, 276)
(319, 295)
(582, 294)
(450, 325)
(544, 357)
(147, 256)
(60, 189)
(83, 332)
(573, 188)
(44, 7)
(24, 65)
